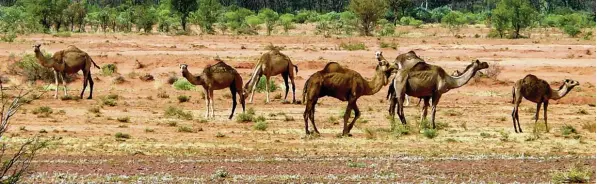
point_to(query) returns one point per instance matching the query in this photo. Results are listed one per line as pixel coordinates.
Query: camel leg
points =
(211, 103)
(407, 103)
(306, 116)
(241, 95)
(266, 89)
(346, 117)
(537, 112)
(357, 115)
(312, 116)
(424, 108)
(516, 99)
(293, 88)
(233, 92)
(285, 77)
(85, 81)
(514, 114)
(400, 110)
(62, 77)
(434, 102)
(90, 85)
(392, 109)
(206, 103)
(56, 82)
(252, 94)
(545, 104)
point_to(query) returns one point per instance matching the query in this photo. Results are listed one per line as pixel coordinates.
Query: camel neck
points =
(557, 94)
(376, 83)
(459, 81)
(42, 59)
(192, 79)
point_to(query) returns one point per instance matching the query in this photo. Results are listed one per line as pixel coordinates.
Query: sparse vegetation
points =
(185, 129)
(589, 126)
(220, 135)
(149, 130)
(260, 87)
(220, 173)
(260, 125)
(244, 117)
(388, 45)
(353, 46)
(43, 111)
(109, 69)
(120, 135)
(288, 118)
(369, 133)
(575, 174)
(174, 112)
(163, 94)
(183, 84)
(124, 119)
(430, 133)
(494, 70)
(183, 98)
(352, 164)
(568, 130)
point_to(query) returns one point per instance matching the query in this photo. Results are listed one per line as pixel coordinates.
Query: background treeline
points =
(507, 18)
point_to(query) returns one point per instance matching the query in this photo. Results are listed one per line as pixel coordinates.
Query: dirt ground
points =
(476, 144)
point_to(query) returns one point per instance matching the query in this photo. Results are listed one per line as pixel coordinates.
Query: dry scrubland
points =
(137, 140)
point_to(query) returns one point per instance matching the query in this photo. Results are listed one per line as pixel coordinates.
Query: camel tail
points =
(296, 68)
(89, 57)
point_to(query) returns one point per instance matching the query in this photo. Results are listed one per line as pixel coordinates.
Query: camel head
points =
(183, 67)
(386, 68)
(569, 83)
(379, 56)
(478, 65)
(36, 47)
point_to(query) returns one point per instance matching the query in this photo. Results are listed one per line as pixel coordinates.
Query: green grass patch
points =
(185, 129)
(120, 135)
(260, 87)
(430, 133)
(183, 84)
(108, 69)
(183, 98)
(260, 125)
(353, 46)
(175, 112)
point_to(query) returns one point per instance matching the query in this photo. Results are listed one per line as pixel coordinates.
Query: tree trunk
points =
(183, 21)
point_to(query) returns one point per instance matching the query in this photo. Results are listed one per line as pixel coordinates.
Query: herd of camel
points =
(412, 77)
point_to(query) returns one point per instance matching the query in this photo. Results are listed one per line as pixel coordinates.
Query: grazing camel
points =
(430, 82)
(537, 90)
(270, 64)
(216, 77)
(345, 85)
(68, 61)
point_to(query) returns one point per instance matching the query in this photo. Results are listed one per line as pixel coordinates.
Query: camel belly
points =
(417, 88)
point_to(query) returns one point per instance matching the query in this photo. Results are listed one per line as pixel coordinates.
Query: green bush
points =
(430, 133)
(174, 112)
(43, 110)
(454, 21)
(244, 117)
(108, 69)
(260, 125)
(576, 174)
(8, 37)
(120, 135)
(261, 85)
(63, 34)
(183, 98)
(183, 84)
(306, 16)
(567, 130)
(185, 129)
(387, 28)
(388, 45)
(29, 67)
(571, 30)
(405, 21)
(353, 46)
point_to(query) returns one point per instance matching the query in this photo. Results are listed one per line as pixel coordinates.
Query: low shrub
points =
(183, 84)
(108, 69)
(260, 125)
(353, 46)
(174, 112)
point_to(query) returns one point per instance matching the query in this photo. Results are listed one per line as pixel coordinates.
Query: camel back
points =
(219, 67)
(531, 85)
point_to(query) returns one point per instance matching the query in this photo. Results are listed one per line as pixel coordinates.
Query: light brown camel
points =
(216, 77)
(430, 82)
(537, 90)
(346, 85)
(272, 63)
(68, 61)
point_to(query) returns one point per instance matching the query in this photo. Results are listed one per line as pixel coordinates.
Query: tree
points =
(286, 21)
(368, 12)
(399, 8)
(270, 17)
(206, 15)
(184, 7)
(253, 22)
(454, 20)
(519, 14)
(499, 21)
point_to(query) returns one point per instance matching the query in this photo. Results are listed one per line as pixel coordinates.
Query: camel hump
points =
(219, 67)
(420, 66)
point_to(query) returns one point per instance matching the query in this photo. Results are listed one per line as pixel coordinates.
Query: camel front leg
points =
(434, 102)
(537, 112)
(545, 104)
(252, 93)
(56, 83)
(347, 113)
(293, 89)
(266, 89)
(206, 104)
(407, 103)
(211, 103)
(63, 76)
(357, 115)
(424, 109)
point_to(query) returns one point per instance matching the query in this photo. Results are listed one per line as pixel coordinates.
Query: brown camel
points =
(346, 85)
(68, 61)
(216, 77)
(270, 64)
(430, 82)
(537, 90)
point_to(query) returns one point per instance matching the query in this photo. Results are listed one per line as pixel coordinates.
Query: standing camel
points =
(430, 82)
(537, 90)
(270, 64)
(68, 61)
(216, 77)
(345, 85)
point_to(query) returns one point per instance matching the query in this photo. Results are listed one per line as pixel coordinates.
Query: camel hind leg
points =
(56, 83)
(233, 93)
(357, 115)
(90, 85)
(434, 102)
(545, 104)
(285, 77)
(62, 77)
(86, 77)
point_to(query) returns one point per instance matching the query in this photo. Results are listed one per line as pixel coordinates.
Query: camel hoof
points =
(89, 98)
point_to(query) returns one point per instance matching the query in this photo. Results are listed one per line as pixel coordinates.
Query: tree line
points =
(507, 18)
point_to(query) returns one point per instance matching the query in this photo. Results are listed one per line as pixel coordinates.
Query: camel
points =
(430, 82)
(216, 77)
(272, 63)
(68, 61)
(345, 85)
(406, 61)
(537, 90)
(392, 95)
